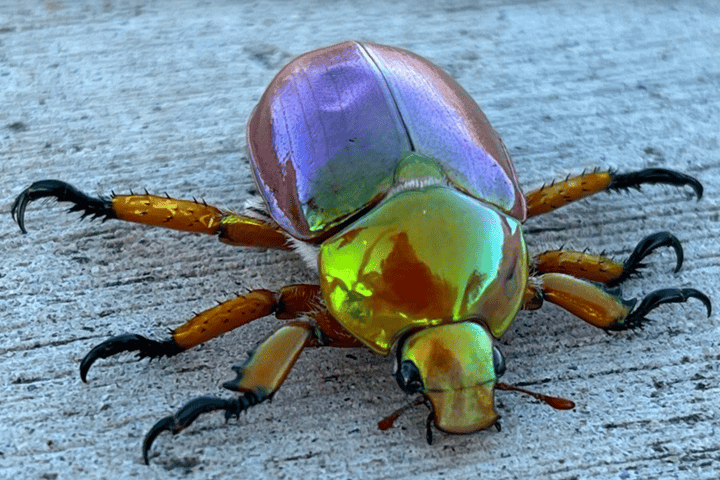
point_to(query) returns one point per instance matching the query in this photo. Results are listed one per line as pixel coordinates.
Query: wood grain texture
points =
(140, 94)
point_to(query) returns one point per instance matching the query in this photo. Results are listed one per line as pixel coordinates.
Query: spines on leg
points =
(599, 268)
(160, 211)
(558, 194)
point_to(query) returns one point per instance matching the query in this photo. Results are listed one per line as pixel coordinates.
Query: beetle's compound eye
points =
(498, 362)
(408, 377)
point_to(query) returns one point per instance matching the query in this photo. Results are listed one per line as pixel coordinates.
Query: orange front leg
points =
(601, 307)
(558, 194)
(257, 380)
(185, 215)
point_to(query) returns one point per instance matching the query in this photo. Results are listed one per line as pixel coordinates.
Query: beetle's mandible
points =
(388, 177)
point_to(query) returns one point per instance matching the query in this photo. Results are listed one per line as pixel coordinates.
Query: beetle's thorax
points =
(424, 256)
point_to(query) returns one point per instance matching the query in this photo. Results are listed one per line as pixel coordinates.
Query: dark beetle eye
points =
(408, 377)
(498, 362)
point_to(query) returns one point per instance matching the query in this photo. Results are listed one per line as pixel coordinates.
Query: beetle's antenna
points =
(387, 422)
(555, 402)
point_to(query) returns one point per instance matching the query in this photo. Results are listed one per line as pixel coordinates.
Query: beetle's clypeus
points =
(390, 172)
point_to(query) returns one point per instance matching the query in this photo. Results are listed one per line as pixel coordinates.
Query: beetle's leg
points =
(559, 194)
(257, 380)
(600, 306)
(215, 321)
(268, 365)
(599, 268)
(291, 301)
(186, 215)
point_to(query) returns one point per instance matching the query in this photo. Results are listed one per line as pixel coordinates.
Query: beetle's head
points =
(456, 367)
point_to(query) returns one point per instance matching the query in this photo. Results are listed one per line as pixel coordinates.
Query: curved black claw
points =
(428, 428)
(644, 248)
(129, 342)
(636, 318)
(191, 410)
(63, 192)
(654, 175)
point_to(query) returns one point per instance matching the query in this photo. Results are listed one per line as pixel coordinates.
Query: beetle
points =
(383, 173)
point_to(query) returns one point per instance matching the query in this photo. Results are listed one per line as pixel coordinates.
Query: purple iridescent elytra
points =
(332, 126)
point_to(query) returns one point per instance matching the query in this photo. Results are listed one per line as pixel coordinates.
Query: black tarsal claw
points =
(652, 300)
(428, 428)
(644, 248)
(128, 342)
(188, 414)
(63, 192)
(655, 175)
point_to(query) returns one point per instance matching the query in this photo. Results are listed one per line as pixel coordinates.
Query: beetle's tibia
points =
(589, 301)
(63, 192)
(191, 410)
(654, 175)
(637, 318)
(129, 342)
(644, 248)
(257, 380)
(268, 365)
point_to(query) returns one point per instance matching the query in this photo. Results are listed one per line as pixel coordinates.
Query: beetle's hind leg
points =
(161, 211)
(558, 194)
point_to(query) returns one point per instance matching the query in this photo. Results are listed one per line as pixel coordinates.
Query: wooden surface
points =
(138, 94)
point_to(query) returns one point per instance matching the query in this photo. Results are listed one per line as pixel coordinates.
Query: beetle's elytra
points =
(385, 174)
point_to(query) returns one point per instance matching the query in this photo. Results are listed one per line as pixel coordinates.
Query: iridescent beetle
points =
(386, 176)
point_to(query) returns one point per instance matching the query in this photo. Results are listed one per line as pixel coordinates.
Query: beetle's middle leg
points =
(558, 194)
(291, 301)
(176, 214)
(600, 268)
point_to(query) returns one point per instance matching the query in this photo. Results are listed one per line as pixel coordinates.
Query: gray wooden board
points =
(129, 95)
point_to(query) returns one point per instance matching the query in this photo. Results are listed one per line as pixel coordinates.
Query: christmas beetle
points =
(387, 178)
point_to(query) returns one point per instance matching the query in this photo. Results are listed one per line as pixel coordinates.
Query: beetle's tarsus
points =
(654, 175)
(63, 192)
(191, 411)
(167, 424)
(654, 299)
(428, 428)
(644, 248)
(129, 342)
